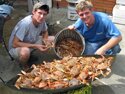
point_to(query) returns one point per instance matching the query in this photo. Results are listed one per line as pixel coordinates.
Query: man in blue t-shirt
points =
(101, 35)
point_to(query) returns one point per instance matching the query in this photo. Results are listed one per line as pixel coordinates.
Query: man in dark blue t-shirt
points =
(101, 35)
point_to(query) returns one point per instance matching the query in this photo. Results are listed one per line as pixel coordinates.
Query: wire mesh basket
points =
(69, 43)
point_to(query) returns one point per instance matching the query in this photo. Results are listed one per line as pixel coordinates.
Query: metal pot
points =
(66, 33)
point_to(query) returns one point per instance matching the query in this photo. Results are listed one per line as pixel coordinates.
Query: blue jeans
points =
(91, 48)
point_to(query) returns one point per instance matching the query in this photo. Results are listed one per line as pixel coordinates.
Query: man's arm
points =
(45, 35)
(19, 43)
(111, 43)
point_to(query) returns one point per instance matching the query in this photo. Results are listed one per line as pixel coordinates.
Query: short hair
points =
(83, 4)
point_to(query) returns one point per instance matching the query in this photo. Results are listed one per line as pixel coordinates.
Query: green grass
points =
(84, 90)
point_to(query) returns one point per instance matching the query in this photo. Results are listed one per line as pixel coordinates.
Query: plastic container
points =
(72, 15)
(121, 2)
(119, 11)
(119, 14)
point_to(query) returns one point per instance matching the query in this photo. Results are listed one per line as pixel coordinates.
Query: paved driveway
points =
(114, 84)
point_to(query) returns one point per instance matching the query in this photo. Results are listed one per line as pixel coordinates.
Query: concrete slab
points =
(122, 43)
(114, 84)
(116, 81)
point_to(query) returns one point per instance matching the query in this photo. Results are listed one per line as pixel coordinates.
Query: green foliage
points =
(84, 90)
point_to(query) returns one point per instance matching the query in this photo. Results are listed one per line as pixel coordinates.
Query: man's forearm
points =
(111, 43)
(23, 44)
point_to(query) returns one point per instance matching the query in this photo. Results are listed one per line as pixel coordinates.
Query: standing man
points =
(101, 35)
(29, 33)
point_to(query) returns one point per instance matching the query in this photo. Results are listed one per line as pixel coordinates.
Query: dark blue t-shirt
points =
(102, 30)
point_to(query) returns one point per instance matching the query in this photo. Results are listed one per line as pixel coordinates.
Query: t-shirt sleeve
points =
(79, 25)
(21, 30)
(112, 30)
(44, 27)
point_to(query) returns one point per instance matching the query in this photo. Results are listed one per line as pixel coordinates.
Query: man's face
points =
(39, 15)
(86, 16)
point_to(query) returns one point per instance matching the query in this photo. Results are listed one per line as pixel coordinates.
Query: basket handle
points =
(2, 80)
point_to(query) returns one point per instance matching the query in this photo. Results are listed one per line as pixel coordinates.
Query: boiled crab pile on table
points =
(67, 72)
(69, 46)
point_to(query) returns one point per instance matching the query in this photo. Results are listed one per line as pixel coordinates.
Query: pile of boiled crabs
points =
(68, 47)
(66, 72)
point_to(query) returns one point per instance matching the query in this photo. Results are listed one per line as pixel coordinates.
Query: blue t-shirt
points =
(102, 30)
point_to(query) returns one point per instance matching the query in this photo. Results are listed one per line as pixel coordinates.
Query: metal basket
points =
(66, 33)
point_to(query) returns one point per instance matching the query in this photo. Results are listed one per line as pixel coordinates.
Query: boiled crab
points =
(68, 47)
(63, 73)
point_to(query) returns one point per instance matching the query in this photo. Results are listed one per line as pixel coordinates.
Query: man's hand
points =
(111, 43)
(100, 51)
(41, 47)
(49, 41)
(71, 27)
